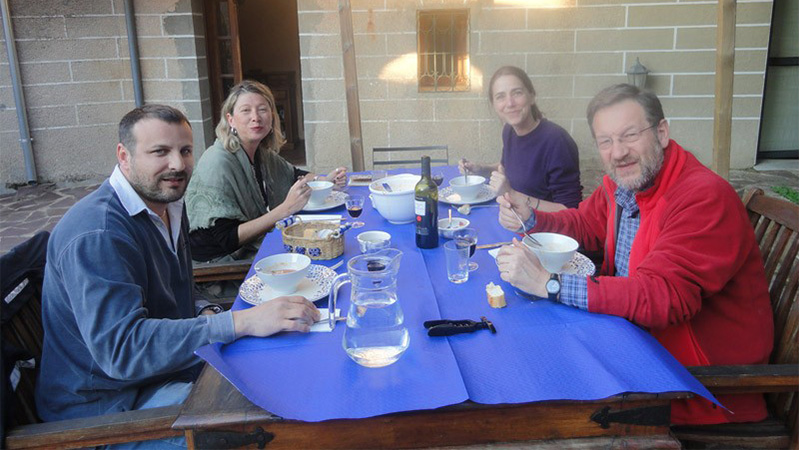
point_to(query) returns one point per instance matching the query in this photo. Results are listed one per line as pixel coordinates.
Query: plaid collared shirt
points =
(573, 287)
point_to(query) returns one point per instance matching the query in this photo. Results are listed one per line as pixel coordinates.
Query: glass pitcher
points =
(375, 335)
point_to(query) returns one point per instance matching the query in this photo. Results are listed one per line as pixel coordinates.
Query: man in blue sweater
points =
(120, 316)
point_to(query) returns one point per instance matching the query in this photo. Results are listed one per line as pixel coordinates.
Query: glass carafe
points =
(375, 335)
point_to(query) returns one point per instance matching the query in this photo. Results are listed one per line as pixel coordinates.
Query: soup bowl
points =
(283, 272)
(555, 251)
(320, 190)
(467, 187)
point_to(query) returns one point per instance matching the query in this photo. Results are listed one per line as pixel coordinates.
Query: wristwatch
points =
(553, 287)
(216, 309)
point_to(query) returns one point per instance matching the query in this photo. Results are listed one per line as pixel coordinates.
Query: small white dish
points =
(315, 286)
(336, 198)
(282, 271)
(448, 195)
(448, 226)
(372, 241)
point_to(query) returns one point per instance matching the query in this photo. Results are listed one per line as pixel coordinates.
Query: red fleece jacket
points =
(696, 277)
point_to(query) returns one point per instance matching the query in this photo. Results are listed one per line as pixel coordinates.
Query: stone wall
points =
(76, 77)
(571, 51)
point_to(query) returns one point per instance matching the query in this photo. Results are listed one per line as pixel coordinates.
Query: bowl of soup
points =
(467, 187)
(320, 190)
(283, 272)
(556, 250)
(448, 226)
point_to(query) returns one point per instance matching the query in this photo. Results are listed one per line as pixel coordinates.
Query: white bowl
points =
(468, 189)
(556, 250)
(395, 204)
(447, 227)
(283, 272)
(372, 241)
(320, 190)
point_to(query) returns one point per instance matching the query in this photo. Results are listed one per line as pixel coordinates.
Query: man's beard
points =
(151, 192)
(650, 164)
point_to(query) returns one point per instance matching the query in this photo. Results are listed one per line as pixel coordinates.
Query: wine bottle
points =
(426, 208)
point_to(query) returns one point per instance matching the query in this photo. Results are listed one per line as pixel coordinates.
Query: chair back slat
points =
(775, 222)
(391, 157)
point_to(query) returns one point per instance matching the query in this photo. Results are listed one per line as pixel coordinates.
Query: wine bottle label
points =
(419, 207)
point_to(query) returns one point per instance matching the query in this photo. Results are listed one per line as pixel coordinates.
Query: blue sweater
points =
(110, 283)
(543, 163)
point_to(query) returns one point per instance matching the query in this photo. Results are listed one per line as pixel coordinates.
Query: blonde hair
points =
(230, 141)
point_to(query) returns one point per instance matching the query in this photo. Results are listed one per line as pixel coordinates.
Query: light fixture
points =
(637, 74)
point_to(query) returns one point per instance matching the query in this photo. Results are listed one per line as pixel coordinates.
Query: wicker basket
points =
(299, 238)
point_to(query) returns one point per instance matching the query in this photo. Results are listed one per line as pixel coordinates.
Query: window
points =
(443, 50)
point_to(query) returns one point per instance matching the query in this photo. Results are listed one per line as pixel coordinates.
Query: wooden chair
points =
(776, 227)
(22, 329)
(391, 157)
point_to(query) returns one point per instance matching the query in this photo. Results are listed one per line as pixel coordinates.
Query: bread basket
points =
(301, 237)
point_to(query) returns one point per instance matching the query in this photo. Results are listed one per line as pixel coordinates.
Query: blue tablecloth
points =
(542, 350)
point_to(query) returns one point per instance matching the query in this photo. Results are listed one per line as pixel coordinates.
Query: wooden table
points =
(216, 415)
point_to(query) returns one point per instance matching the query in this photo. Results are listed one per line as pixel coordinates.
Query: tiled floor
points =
(34, 208)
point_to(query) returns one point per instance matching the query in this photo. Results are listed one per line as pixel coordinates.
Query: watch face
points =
(552, 286)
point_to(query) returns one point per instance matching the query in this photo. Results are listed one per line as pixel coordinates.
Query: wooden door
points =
(223, 50)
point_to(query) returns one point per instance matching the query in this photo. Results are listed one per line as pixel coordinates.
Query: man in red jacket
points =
(680, 256)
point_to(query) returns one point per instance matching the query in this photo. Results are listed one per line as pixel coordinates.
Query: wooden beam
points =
(723, 81)
(236, 49)
(351, 85)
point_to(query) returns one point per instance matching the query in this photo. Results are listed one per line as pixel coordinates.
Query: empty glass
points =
(467, 237)
(378, 174)
(457, 259)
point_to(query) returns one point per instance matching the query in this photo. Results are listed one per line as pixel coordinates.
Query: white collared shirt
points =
(134, 205)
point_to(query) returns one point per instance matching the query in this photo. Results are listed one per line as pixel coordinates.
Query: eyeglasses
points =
(605, 143)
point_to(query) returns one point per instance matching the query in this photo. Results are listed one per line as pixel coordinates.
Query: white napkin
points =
(494, 252)
(315, 217)
(322, 326)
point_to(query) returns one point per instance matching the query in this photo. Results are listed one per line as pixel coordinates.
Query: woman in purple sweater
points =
(540, 159)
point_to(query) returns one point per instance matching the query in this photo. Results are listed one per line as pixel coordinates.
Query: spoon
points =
(466, 171)
(522, 225)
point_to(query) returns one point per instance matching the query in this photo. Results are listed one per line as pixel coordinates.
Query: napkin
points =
(315, 217)
(322, 326)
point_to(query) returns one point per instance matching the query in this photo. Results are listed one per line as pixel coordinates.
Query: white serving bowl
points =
(447, 227)
(283, 272)
(556, 250)
(320, 190)
(372, 241)
(395, 204)
(468, 188)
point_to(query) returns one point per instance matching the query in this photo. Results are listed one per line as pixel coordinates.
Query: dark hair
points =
(163, 113)
(524, 78)
(617, 93)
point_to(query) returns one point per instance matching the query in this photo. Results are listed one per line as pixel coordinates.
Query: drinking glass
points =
(457, 258)
(467, 237)
(354, 204)
(378, 174)
(438, 178)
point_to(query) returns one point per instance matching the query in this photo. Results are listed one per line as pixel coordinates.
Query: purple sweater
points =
(543, 164)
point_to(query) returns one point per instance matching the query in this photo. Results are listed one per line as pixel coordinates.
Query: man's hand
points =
(297, 197)
(520, 267)
(498, 181)
(288, 313)
(337, 176)
(506, 217)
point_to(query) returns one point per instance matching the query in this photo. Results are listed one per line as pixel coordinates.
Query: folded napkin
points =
(322, 325)
(316, 217)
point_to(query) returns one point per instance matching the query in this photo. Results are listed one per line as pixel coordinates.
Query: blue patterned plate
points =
(580, 264)
(315, 286)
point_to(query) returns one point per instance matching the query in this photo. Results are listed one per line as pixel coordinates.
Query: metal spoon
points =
(522, 225)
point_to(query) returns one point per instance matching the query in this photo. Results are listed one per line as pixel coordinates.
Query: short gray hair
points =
(612, 95)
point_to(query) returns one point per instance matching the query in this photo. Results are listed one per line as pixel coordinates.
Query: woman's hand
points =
(288, 313)
(498, 181)
(506, 217)
(297, 197)
(337, 176)
(520, 267)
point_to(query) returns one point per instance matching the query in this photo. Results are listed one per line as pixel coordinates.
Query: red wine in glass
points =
(354, 211)
(467, 242)
(438, 179)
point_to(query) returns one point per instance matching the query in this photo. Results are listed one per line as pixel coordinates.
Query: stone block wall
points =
(76, 77)
(570, 50)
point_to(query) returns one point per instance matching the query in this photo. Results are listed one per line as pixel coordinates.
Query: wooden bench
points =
(24, 331)
(776, 224)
